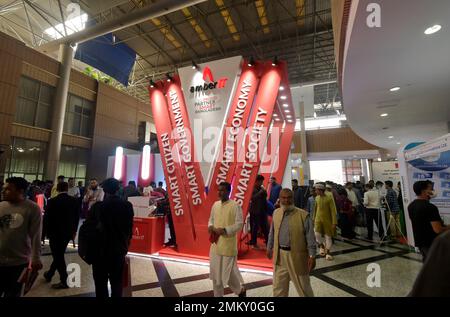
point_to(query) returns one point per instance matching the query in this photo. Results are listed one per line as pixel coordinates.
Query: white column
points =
(365, 170)
(304, 148)
(59, 111)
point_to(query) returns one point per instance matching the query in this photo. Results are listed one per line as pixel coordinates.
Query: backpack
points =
(92, 236)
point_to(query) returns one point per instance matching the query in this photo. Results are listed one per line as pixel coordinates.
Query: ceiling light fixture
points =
(275, 115)
(281, 88)
(169, 78)
(152, 83)
(384, 115)
(287, 111)
(433, 29)
(194, 65)
(391, 137)
(283, 97)
(288, 116)
(394, 89)
(286, 105)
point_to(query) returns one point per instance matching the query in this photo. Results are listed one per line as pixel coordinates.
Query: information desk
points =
(148, 235)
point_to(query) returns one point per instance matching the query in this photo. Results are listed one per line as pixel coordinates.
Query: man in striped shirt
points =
(393, 209)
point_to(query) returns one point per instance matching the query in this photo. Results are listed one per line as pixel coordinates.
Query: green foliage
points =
(89, 71)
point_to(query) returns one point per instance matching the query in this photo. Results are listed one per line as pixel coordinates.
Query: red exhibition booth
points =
(248, 106)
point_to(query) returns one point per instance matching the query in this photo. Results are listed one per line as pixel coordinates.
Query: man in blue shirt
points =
(274, 190)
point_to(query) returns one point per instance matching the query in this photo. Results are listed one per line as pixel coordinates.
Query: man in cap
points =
(325, 220)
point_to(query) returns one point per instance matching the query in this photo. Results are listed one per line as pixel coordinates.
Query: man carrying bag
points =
(104, 239)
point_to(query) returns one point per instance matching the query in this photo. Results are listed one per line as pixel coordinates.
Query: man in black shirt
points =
(61, 217)
(300, 195)
(116, 218)
(258, 212)
(425, 218)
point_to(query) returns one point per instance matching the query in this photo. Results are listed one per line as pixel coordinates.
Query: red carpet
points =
(247, 258)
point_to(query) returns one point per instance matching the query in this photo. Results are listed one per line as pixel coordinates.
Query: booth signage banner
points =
(208, 91)
(383, 171)
(231, 140)
(238, 107)
(427, 161)
(182, 135)
(178, 199)
(255, 140)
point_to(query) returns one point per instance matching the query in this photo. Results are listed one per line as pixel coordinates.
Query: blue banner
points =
(115, 60)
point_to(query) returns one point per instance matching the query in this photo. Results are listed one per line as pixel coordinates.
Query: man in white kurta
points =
(225, 221)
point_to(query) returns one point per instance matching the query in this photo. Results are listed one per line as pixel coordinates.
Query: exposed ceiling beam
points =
(62, 17)
(33, 37)
(152, 43)
(36, 9)
(158, 9)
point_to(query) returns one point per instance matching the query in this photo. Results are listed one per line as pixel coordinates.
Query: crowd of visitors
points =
(290, 224)
(30, 213)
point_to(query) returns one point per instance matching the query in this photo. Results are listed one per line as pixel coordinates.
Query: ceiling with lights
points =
(396, 78)
(298, 31)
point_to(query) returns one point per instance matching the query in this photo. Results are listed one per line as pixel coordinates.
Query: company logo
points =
(137, 235)
(209, 82)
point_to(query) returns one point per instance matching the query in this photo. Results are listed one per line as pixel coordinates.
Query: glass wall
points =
(73, 162)
(27, 159)
(352, 170)
(79, 116)
(330, 170)
(34, 103)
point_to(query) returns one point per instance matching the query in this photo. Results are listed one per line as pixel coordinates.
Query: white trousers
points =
(224, 272)
(320, 240)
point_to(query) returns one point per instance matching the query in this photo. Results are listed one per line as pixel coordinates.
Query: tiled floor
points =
(345, 276)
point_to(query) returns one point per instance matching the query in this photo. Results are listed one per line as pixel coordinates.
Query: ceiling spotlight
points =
(152, 83)
(290, 121)
(399, 143)
(288, 116)
(433, 29)
(277, 119)
(391, 137)
(275, 115)
(286, 105)
(275, 61)
(394, 89)
(281, 88)
(169, 78)
(194, 65)
(251, 62)
(287, 111)
(384, 115)
(283, 97)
